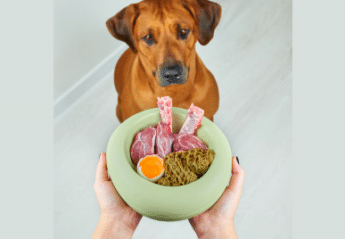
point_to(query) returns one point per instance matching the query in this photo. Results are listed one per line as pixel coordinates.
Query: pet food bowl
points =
(167, 203)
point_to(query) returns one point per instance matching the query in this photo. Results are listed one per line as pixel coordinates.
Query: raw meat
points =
(160, 140)
(193, 120)
(165, 110)
(143, 144)
(164, 140)
(165, 137)
(185, 142)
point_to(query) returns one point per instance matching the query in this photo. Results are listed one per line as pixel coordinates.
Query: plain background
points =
(81, 39)
(27, 120)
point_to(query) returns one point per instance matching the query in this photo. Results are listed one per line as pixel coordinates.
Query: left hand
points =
(114, 211)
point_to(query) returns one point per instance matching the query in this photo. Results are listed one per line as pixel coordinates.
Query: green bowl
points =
(162, 202)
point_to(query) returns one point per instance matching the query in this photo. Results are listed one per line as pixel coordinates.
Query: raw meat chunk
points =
(164, 140)
(165, 110)
(143, 144)
(185, 142)
(193, 120)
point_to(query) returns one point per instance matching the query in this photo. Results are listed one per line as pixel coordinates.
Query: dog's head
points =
(163, 34)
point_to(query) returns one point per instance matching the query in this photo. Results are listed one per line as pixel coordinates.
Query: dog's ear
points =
(207, 16)
(122, 24)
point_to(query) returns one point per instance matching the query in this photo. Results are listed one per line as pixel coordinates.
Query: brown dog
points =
(162, 60)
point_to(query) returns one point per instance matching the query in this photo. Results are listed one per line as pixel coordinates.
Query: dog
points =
(161, 59)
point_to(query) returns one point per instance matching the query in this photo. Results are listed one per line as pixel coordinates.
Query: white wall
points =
(81, 39)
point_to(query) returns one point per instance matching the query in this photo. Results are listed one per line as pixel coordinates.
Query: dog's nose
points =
(172, 74)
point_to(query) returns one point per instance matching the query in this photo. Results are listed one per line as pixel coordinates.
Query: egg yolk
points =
(151, 166)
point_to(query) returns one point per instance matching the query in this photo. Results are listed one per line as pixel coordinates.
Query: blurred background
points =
(251, 59)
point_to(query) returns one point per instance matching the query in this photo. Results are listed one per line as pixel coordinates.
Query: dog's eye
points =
(183, 33)
(148, 39)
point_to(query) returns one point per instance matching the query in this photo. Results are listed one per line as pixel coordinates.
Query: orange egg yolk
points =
(151, 166)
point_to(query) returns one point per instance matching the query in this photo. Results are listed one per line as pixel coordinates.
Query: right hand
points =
(218, 221)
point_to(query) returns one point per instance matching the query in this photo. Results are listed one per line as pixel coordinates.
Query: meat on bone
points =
(160, 140)
(193, 120)
(165, 110)
(143, 144)
(164, 140)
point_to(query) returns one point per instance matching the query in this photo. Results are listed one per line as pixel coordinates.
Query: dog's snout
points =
(168, 74)
(172, 73)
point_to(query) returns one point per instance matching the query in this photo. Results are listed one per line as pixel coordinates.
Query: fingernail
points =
(237, 160)
(100, 155)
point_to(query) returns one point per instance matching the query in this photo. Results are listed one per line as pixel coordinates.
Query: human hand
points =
(117, 220)
(218, 221)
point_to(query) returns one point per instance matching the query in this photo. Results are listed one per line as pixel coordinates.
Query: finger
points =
(228, 202)
(237, 179)
(101, 171)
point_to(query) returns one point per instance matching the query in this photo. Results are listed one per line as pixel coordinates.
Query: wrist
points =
(128, 223)
(114, 227)
(224, 231)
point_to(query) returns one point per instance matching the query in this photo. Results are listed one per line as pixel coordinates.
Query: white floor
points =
(251, 58)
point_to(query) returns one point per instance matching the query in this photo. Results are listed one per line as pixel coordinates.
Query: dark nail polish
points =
(237, 160)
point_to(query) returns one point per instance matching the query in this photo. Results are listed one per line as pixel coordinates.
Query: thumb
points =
(229, 200)
(101, 171)
(237, 179)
